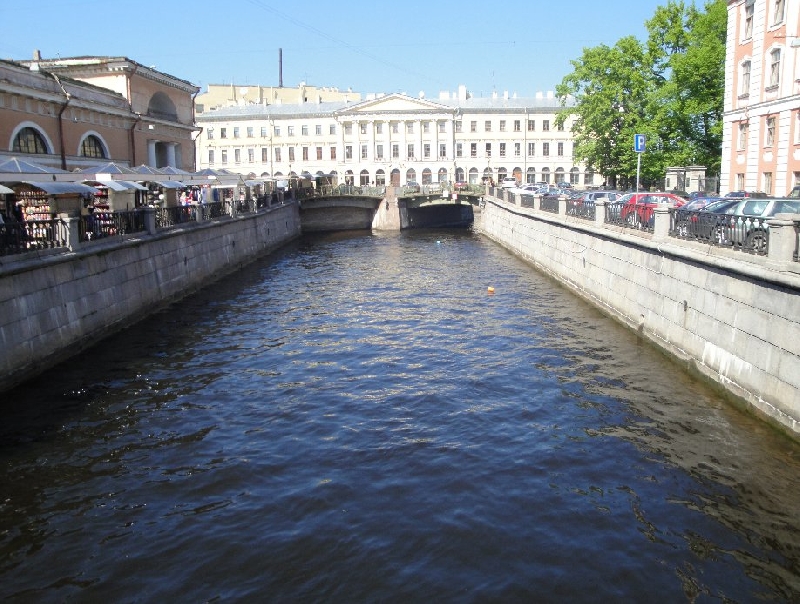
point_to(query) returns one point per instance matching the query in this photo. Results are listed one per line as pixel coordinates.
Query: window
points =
(363, 152)
(319, 153)
(740, 182)
(561, 127)
(775, 67)
(318, 130)
(395, 151)
(291, 153)
(410, 127)
(748, 20)
(305, 153)
(290, 130)
(332, 129)
(458, 126)
(487, 126)
(545, 149)
(29, 140)
(517, 149)
(278, 154)
(250, 132)
(264, 155)
(395, 128)
(379, 152)
(768, 183)
(780, 10)
(545, 125)
(426, 150)
(277, 130)
(442, 151)
(769, 137)
(488, 149)
(531, 149)
(236, 132)
(744, 84)
(210, 134)
(459, 150)
(348, 128)
(333, 152)
(348, 152)
(410, 152)
(502, 125)
(560, 151)
(742, 140)
(363, 127)
(379, 128)
(517, 126)
(442, 127)
(502, 149)
(211, 157)
(531, 125)
(263, 132)
(473, 126)
(223, 133)
(92, 147)
(224, 156)
(251, 155)
(304, 130)
(473, 150)
(426, 127)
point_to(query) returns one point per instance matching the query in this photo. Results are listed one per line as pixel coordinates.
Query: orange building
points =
(71, 113)
(761, 138)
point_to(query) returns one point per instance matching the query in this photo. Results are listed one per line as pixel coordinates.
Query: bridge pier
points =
(387, 214)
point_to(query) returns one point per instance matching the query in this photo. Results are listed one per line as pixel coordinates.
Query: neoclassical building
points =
(72, 113)
(761, 138)
(393, 139)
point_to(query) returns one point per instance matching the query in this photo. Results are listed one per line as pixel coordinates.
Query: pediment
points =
(394, 103)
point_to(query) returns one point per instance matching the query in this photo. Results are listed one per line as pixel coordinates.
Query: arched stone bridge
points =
(345, 207)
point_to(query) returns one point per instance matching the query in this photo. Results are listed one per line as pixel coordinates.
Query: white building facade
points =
(394, 139)
(761, 138)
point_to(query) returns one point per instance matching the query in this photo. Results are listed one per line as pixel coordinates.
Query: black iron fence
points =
(32, 235)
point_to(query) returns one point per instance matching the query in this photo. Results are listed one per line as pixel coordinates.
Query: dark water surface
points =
(355, 419)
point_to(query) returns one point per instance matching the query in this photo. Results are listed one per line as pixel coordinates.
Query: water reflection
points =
(355, 419)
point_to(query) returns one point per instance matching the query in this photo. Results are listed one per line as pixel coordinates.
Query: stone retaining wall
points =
(54, 305)
(730, 316)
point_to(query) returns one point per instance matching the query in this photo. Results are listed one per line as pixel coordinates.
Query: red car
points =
(638, 207)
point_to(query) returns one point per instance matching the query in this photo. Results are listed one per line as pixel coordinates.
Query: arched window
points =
(364, 180)
(91, 146)
(29, 140)
(473, 176)
(411, 175)
(442, 174)
(530, 176)
(426, 176)
(380, 178)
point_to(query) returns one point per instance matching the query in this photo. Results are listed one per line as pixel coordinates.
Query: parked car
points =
(460, 185)
(509, 183)
(638, 208)
(591, 196)
(564, 185)
(412, 186)
(688, 221)
(748, 225)
(756, 194)
(794, 193)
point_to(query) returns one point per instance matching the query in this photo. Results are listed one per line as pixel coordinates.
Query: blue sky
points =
(519, 46)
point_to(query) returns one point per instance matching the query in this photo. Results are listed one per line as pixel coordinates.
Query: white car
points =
(509, 183)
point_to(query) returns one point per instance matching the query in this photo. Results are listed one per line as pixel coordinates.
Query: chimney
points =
(280, 68)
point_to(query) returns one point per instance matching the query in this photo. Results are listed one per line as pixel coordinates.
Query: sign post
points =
(639, 145)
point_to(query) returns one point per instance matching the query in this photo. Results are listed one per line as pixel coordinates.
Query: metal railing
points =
(746, 233)
(32, 235)
(110, 224)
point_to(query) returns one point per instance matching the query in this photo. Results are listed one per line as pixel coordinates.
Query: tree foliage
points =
(669, 88)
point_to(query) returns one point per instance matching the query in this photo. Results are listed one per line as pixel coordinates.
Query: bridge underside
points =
(322, 214)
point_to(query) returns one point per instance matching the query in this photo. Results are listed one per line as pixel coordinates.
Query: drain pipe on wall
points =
(62, 150)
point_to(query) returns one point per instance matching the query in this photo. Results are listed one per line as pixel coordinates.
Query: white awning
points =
(61, 188)
(171, 184)
(5, 190)
(122, 185)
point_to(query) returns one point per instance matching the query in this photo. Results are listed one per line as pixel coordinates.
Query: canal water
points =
(357, 419)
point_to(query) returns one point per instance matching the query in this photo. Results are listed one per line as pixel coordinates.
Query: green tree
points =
(669, 88)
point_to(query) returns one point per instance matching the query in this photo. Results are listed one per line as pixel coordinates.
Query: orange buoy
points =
(490, 290)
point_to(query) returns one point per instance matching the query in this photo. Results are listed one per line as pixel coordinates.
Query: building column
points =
(171, 155)
(151, 153)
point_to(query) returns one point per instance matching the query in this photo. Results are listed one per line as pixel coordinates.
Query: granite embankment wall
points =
(729, 316)
(54, 305)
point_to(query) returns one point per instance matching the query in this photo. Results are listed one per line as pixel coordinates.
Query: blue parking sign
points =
(638, 143)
